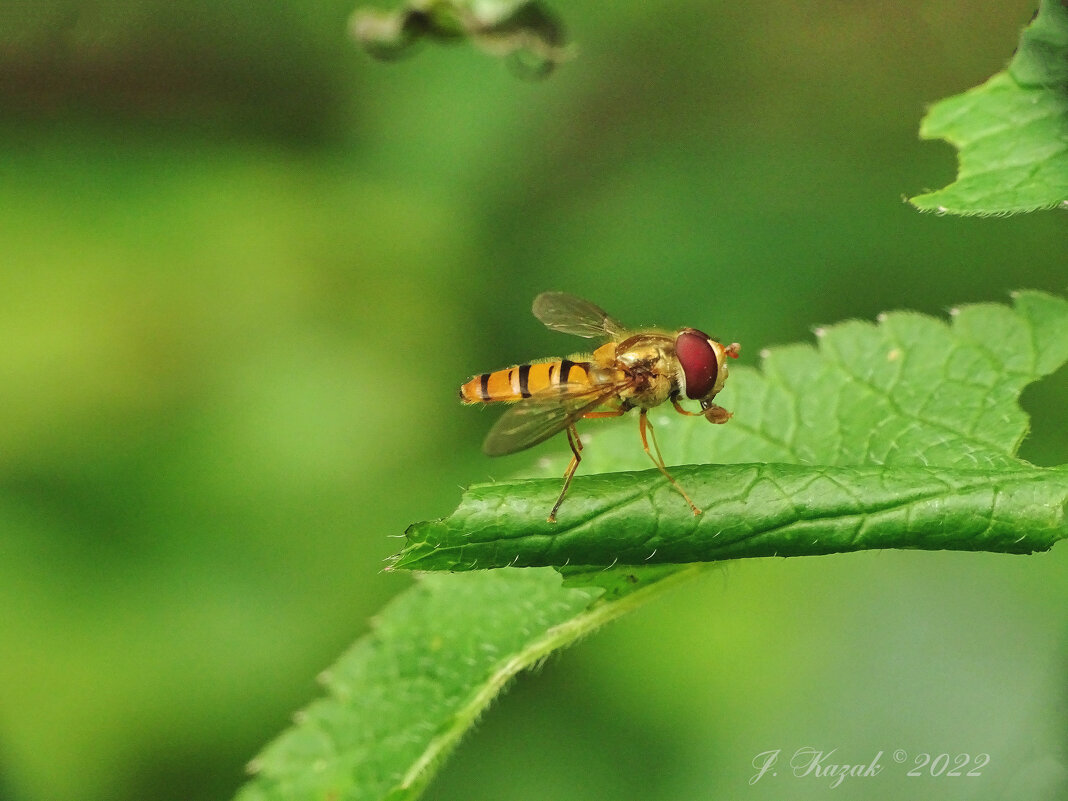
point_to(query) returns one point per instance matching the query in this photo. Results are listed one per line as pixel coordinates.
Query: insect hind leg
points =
(576, 457)
(658, 460)
(576, 450)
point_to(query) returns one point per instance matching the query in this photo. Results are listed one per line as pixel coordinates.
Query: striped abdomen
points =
(523, 380)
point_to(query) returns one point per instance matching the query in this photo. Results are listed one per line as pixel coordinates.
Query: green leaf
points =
(1012, 131)
(750, 510)
(403, 696)
(930, 401)
(911, 392)
(523, 31)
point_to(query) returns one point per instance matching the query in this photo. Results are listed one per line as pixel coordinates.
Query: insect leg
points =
(714, 413)
(576, 457)
(658, 460)
(613, 413)
(680, 410)
(710, 411)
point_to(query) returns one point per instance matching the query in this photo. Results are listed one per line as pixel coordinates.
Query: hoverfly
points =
(633, 369)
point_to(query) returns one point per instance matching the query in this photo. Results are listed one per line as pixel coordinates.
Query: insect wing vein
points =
(544, 414)
(569, 314)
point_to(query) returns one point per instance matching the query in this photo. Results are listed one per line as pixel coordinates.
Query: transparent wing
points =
(544, 414)
(572, 315)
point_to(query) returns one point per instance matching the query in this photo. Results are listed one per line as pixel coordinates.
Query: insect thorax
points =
(649, 360)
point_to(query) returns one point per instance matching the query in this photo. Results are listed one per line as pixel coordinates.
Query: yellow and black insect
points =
(633, 369)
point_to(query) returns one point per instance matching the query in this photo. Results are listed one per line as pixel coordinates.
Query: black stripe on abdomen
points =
(565, 370)
(524, 380)
(483, 386)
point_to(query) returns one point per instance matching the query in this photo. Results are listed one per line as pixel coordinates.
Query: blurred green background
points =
(245, 269)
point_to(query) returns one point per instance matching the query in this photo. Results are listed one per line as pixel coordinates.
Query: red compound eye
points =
(698, 360)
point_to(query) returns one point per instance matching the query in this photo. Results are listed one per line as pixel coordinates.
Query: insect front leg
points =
(710, 411)
(714, 413)
(658, 460)
(576, 457)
